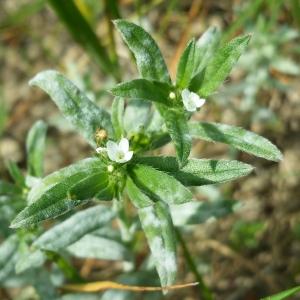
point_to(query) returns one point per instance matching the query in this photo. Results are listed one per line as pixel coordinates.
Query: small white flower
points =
(118, 152)
(172, 95)
(191, 100)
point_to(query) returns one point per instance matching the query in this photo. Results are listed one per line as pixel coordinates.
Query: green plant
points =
(121, 169)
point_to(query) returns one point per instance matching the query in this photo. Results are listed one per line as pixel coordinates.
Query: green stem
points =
(205, 292)
(68, 270)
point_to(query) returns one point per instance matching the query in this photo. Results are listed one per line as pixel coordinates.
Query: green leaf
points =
(51, 198)
(29, 259)
(137, 115)
(236, 137)
(83, 34)
(144, 89)
(176, 122)
(193, 213)
(284, 294)
(84, 115)
(185, 66)
(196, 81)
(8, 189)
(158, 185)
(198, 171)
(35, 148)
(117, 112)
(221, 64)
(8, 251)
(137, 197)
(16, 174)
(150, 62)
(91, 246)
(157, 225)
(205, 48)
(74, 228)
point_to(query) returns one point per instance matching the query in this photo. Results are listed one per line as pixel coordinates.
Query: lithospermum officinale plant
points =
(119, 168)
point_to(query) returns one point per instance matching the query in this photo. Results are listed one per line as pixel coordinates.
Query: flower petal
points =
(124, 145)
(185, 94)
(128, 155)
(112, 149)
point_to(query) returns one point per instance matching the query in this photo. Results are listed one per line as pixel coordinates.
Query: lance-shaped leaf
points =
(117, 112)
(205, 48)
(137, 197)
(158, 227)
(35, 148)
(149, 60)
(158, 185)
(221, 64)
(91, 246)
(186, 65)
(194, 212)
(84, 115)
(284, 295)
(176, 122)
(144, 89)
(74, 228)
(236, 137)
(16, 174)
(51, 197)
(198, 171)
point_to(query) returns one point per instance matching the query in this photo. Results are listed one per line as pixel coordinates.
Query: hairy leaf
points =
(137, 197)
(51, 198)
(8, 256)
(221, 64)
(150, 62)
(159, 186)
(144, 89)
(35, 148)
(186, 65)
(176, 122)
(74, 228)
(193, 213)
(158, 227)
(205, 48)
(84, 115)
(236, 137)
(91, 246)
(198, 171)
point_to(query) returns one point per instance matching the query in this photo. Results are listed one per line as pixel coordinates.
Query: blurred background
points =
(254, 250)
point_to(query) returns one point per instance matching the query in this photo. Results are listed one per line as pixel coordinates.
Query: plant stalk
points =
(204, 292)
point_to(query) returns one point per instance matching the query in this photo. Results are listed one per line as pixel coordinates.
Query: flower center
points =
(120, 155)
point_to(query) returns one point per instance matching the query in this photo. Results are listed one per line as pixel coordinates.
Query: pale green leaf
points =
(236, 137)
(35, 148)
(149, 60)
(193, 213)
(158, 185)
(91, 246)
(158, 227)
(84, 115)
(205, 48)
(117, 112)
(74, 228)
(185, 66)
(8, 250)
(221, 64)
(144, 89)
(198, 171)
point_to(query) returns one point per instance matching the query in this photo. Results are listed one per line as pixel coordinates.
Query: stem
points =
(68, 270)
(205, 292)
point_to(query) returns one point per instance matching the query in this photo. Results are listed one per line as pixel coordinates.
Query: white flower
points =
(118, 152)
(191, 101)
